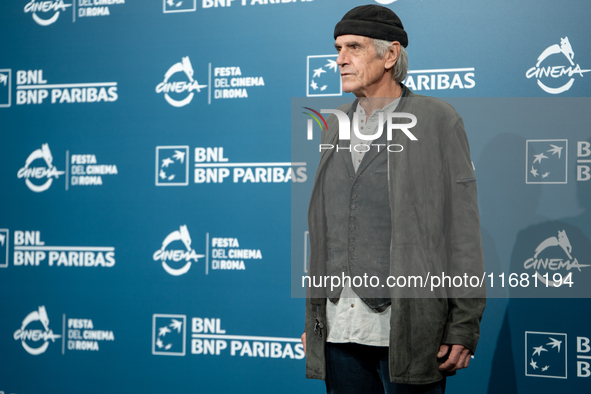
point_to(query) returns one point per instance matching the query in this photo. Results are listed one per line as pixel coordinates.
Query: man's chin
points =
(348, 89)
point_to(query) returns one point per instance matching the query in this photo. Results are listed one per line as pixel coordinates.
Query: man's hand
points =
(304, 341)
(459, 357)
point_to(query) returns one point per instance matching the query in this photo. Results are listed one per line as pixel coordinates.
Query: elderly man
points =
(406, 210)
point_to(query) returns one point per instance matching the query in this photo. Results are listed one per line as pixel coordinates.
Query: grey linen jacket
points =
(435, 231)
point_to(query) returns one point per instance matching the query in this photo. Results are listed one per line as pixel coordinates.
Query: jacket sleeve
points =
(463, 241)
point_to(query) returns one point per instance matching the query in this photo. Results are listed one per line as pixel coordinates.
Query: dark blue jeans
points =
(359, 369)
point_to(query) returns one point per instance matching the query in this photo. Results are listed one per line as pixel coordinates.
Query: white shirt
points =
(351, 320)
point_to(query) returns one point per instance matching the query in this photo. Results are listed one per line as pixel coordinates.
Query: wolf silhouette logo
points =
(561, 240)
(564, 47)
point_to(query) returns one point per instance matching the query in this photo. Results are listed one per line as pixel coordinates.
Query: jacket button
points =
(352, 305)
(351, 177)
(351, 227)
(352, 206)
(351, 249)
(355, 186)
(352, 218)
(352, 239)
(344, 268)
(354, 196)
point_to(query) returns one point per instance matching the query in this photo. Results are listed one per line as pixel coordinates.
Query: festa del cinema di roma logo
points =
(30, 336)
(177, 88)
(39, 171)
(547, 259)
(174, 256)
(556, 72)
(45, 8)
(46, 12)
(44, 174)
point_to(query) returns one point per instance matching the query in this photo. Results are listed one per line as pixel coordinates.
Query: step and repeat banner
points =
(147, 178)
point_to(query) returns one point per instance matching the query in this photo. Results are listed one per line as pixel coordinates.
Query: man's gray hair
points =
(401, 65)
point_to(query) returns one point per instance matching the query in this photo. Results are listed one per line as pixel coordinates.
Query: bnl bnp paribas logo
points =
(324, 78)
(32, 88)
(208, 338)
(172, 165)
(5, 88)
(34, 333)
(546, 355)
(555, 71)
(547, 161)
(168, 334)
(171, 6)
(4, 240)
(210, 165)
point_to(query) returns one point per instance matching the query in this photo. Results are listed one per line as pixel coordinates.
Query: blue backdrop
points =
(147, 177)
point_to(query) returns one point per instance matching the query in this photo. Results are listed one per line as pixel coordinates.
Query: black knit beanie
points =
(372, 21)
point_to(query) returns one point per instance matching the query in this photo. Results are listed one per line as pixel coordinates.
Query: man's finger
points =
(303, 338)
(468, 358)
(450, 364)
(443, 349)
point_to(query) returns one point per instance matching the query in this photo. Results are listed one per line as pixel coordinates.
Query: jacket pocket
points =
(465, 181)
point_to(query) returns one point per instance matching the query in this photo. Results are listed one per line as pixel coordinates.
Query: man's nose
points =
(342, 58)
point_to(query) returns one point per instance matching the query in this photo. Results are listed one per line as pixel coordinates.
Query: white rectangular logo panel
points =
(172, 165)
(169, 334)
(5, 88)
(4, 240)
(545, 355)
(170, 6)
(323, 76)
(546, 161)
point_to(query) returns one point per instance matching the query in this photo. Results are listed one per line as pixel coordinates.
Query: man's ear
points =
(392, 54)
